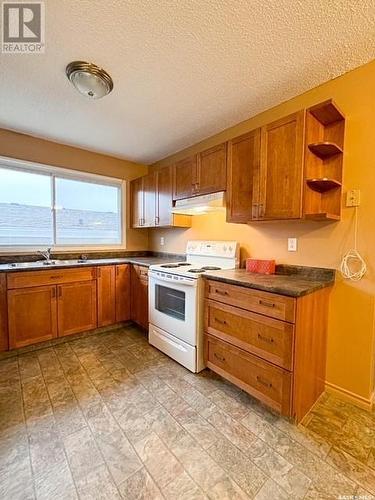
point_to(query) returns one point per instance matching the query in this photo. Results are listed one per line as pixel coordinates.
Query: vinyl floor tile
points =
(107, 416)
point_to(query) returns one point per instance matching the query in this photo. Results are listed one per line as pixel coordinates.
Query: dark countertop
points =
(141, 261)
(292, 281)
(150, 261)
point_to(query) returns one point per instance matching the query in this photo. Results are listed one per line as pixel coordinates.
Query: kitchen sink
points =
(49, 263)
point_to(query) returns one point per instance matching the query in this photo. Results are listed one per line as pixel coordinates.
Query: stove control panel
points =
(224, 249)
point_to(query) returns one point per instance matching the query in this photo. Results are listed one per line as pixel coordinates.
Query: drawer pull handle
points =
(267, 304)
(221, 292)
(265, 339)
(220, 358)
(221, 321)
(55, 277)
(264, 382)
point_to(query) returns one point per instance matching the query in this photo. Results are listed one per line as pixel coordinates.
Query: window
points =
(41, 207)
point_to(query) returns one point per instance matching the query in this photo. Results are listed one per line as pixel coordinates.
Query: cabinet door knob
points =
(220, 358)
(266, 304)
(221, 321)
(264, 382)
(269, 340)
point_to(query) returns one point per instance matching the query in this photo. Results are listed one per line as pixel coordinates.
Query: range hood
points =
(201, 205)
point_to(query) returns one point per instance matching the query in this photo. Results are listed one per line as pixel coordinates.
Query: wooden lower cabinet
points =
(76, 309)
(32, 315)
(139, 295)
(106, 280)
(123, 292)
(36, 306)
(270, 345)
(265, 337)
(4, 338)
(261, 379)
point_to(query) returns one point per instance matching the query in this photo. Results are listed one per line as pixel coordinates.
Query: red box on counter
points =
(260, 266)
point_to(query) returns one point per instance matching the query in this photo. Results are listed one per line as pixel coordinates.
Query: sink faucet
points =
(46, 254)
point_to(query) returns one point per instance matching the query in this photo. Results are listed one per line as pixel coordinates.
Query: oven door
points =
(173, 306)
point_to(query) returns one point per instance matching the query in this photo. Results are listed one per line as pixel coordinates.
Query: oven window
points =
(170, 302)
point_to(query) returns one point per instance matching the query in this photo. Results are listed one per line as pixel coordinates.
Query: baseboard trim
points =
(351, 397)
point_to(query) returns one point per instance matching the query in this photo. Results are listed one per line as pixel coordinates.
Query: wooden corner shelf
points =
(324, 129)
(322, 216)
(327, 112)
(323, 184)
(324, 149)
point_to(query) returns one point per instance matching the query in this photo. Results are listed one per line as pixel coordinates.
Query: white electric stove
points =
(176, 295)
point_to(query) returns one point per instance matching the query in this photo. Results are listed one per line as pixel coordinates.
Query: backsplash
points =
(7, 259)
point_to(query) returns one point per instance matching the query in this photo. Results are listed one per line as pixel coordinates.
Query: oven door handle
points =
(185, 281)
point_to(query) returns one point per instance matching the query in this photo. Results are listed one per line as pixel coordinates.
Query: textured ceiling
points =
(183, 69)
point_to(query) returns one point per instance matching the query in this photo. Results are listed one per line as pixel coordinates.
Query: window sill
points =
(61, 250)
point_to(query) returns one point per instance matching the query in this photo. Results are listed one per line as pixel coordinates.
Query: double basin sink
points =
(49, 263)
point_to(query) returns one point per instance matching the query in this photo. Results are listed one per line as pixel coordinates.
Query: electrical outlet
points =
(162, 241)
(292, 244)
(353, 198)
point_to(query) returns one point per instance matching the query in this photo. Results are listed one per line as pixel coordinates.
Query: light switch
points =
(292, 244)
(162, 241)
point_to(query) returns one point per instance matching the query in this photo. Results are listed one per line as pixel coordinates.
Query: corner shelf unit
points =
(324, 149)
(325, 125)
(322, 185)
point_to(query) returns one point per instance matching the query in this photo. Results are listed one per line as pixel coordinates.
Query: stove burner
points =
(197, 271)
(173, 266)
(211, 268)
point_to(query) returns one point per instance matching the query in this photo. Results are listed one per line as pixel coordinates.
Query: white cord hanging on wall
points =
(353, 266)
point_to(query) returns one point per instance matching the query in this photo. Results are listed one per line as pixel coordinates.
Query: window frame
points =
(77, 175)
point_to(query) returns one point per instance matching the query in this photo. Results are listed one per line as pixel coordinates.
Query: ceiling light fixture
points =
(90, 80)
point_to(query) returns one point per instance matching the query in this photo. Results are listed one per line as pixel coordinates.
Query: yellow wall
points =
(25, 147)
(351, 324)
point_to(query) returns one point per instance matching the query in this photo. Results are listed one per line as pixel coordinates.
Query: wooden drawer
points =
(268, 383)
(141, 271)
(269, 304)
(50, 276)
(268, 338)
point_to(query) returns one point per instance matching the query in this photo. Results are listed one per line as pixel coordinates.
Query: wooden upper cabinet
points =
(211, 170)
(76, 307)
(106, 279)
(185, 178)
(242, 171)
(152, 201)
(122, 292)
(149, 193)
(32, 315)
(278, 190)
(203, 173)
(137, 202)
(3, 313)
(164, 186)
